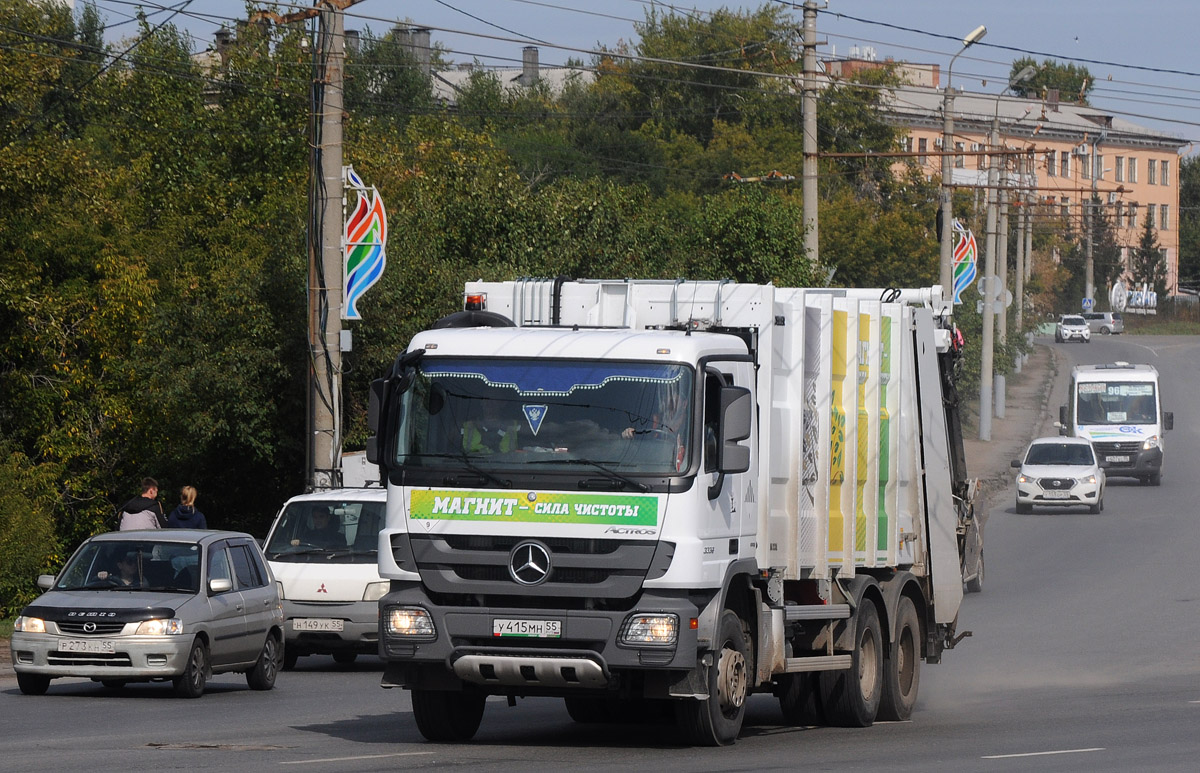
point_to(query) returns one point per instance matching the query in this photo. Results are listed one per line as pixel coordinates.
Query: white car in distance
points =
(1072, 327)
(1059, 472)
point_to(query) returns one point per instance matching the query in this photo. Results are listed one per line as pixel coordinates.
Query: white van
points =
(322, 549)
(1118, 407)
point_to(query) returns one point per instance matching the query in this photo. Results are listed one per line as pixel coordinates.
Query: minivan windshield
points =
(1116, 402)
(132, 565)
(327, 530)
(495, 416)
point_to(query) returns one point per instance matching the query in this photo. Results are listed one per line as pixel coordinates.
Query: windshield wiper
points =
(470, 466)
(612, 474)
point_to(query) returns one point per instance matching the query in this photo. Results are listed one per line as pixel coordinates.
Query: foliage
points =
(1147, 264)
(1189, 222)
(28, 545)
(1074, 82)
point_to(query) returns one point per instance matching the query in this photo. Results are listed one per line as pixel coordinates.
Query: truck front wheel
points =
(447, 716)
(902, 667)
(717, 720)
(852, 696)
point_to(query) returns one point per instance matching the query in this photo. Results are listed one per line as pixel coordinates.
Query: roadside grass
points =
(6, 627)
(1161, 327)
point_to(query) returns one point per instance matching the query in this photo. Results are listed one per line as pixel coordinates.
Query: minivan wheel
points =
(191, 683)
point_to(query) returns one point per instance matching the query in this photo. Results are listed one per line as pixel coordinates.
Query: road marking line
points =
(345, 759)
(1041, 754)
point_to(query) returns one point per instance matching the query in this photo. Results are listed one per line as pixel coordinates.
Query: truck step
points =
(817, 612)
(819, 663)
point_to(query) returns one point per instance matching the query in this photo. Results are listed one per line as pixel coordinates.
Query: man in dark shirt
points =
(146, 501)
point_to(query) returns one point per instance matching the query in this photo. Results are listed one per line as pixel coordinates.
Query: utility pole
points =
(988, 286)
(946, 272)
(1022, 204)
(1089, 281)
(808, 106)
(1002, 288)
(325, 269)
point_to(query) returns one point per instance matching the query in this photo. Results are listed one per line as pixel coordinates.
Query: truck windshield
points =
(1116, 402)
(499, 415)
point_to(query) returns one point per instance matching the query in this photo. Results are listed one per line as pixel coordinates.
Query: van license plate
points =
(529, 629)
(86, 645)
(1117, 458)
(317, 624)
(1058, 495)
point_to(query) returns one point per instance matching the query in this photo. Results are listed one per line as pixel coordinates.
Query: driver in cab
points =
(492, 432)
(323, 533)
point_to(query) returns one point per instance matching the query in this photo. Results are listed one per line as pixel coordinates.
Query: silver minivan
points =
(158, 605)
(1105, 322)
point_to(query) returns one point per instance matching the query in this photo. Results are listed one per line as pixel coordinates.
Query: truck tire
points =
(717, 719)
(902, 666)
(852, 696)
(975, 584)
(800, 699)
(1155, 479)
(447, 716)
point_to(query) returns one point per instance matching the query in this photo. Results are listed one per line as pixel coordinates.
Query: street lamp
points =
(994, 286)
(946, 275)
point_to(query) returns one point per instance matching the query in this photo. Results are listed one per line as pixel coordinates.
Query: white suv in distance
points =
(1072, 327)
(1059, 472)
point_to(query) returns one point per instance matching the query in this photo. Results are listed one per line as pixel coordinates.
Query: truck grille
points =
(583, 568)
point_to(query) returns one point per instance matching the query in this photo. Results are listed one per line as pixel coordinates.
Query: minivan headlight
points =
(29, 624)
(1151, 442)
(160, 627)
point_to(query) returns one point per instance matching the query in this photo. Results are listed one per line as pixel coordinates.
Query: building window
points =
(1151, 172)
(1065, 165)
(1118, 214)
(1050, 163)
(1164, 174)
(1131, 170)
(1132, 220)
(1099, 167)
(960, 162)
(923, 148)
(1066, 206)
(1085, 166)
(1119, 169)
(1164, 217)
(1150, 214)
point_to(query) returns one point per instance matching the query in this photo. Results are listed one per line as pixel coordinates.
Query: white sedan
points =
(1059, 472)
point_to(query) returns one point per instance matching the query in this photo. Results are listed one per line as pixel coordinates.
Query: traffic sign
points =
(1088, 303)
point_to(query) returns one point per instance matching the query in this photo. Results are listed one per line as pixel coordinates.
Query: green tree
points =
(1074, 83)
(1147, 263)
(1189, 223)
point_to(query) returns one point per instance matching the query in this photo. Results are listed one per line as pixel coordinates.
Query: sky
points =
(1139, 53)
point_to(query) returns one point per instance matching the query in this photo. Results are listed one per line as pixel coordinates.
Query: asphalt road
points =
(1085, 656)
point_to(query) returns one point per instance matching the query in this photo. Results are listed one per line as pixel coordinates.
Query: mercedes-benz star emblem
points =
(529, 563)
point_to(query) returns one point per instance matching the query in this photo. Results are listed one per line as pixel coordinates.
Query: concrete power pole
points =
(1022, 203)
(325, 269)
(808, 107)
(1002, 290)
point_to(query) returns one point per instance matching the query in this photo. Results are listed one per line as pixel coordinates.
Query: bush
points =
(28, 546)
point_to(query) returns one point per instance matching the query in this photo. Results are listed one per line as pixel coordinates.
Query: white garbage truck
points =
(654, 499)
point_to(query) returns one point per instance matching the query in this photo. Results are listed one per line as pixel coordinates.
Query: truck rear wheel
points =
(717, 720)
(447, 716)
(902, 666)
(852, 696)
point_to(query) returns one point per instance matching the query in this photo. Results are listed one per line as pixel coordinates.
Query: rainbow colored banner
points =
(966, 254)
(364, 243)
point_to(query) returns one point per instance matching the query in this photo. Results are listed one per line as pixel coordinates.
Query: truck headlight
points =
(160, 627)
(30, 624)
(376, 590)
(1151, 442)
(410, 622)
(659, 630)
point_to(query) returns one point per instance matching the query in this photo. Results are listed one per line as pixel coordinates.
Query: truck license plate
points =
(531, 629)
(86, 645)
(1058, 495)
(316, 624)
(1117, 458)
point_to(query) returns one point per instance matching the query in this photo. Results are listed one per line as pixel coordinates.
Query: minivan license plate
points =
(317, 624)
(86, 645)
(1118, 458)
(530, 629)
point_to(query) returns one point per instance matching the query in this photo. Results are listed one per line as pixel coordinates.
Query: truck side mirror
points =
(1062, 414)
(374, 410)
(736, 422)
(1168, 420)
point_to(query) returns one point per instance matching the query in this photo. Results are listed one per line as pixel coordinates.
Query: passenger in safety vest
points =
(492, 433)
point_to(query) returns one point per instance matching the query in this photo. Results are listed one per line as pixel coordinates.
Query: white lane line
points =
(1042, 754)
(345, 759)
